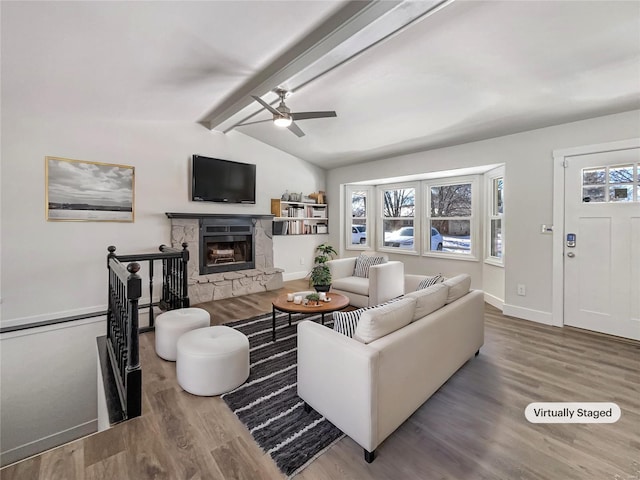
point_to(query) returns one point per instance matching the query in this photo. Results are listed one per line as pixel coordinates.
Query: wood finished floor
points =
(472, 428)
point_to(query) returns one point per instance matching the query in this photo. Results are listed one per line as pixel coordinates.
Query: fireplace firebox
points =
(226, 244)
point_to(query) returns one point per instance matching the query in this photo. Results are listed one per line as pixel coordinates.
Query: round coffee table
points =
(337, 302)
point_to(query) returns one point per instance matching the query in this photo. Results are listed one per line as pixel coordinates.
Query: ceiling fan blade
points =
(266, 105)
(251, 123)
(310, 115)
(296, 129)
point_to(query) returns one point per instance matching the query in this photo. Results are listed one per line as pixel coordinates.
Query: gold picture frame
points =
(82, 191)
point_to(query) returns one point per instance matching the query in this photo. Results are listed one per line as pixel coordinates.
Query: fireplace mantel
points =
(219, 215)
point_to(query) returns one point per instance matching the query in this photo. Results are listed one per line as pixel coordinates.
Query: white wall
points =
(528, 198)
(48, 394)
(56, 269)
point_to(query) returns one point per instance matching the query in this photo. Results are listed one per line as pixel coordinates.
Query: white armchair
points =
(386, 281)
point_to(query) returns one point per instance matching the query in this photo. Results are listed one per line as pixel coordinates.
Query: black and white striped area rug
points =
(268, 404)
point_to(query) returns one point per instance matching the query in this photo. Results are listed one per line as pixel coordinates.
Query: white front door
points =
(602, 270)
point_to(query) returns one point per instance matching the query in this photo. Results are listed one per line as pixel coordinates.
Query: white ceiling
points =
(471, 70)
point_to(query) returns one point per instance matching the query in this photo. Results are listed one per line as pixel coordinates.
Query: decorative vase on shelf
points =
(285, 196)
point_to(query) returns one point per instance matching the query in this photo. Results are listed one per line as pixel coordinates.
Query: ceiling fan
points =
(284, 117)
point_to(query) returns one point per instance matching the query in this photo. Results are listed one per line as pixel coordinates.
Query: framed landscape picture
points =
(79, 191)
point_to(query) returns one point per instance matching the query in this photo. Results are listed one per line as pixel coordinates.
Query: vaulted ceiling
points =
(457, 71)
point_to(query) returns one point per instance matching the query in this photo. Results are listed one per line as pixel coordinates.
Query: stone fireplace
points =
(230, 255)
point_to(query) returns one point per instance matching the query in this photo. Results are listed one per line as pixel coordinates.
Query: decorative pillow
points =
(346, 322)
(429, 300)
(382, 320)
(363, 262)
(458, 287)
(429, 281)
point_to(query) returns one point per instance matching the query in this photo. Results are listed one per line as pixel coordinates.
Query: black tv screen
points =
(216, 180)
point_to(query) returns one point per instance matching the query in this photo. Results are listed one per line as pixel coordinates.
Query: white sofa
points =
(386, 281)
(369, 390)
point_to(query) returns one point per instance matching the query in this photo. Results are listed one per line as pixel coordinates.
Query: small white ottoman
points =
(172, 324)
(212, 360)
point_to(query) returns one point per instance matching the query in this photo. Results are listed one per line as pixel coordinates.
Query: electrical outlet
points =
(301, 260)
(522, 291)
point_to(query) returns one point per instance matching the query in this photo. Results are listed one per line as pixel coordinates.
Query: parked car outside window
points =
(436, 239)
(403, 238)
(358, 234)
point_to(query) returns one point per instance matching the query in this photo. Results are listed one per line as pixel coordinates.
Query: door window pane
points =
(621, 193)
(593, 194)
(622, 174)
(594, 176)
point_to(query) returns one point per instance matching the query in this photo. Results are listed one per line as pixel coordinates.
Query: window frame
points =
(474, 227)
(380, 218)
(371, 204)
(490, 177)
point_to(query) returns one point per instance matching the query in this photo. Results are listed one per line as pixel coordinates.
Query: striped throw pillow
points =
(363, 262)
(430, 281)
(346, 322)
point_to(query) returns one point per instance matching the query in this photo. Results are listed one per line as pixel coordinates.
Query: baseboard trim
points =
(494, 301)
(528, 314)
(293, 276)
(52, 441)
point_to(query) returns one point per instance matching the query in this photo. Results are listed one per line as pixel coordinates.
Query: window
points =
(357, 217)
(398, 216)
(450, 217)
(495, 213)
(620, 183)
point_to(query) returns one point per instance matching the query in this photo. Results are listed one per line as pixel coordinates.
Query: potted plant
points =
(313, 299)
(320, 275)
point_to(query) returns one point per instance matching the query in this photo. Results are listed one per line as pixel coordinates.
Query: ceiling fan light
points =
(283, 121)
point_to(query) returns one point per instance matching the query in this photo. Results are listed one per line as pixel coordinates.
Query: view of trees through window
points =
(442, 214)
(450, 216)
(398, 211)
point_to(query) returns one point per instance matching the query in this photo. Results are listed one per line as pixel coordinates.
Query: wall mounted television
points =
(217, 180)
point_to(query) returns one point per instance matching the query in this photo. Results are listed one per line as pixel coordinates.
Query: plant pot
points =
(322, 288)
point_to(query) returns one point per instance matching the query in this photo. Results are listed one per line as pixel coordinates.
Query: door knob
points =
(571, 254)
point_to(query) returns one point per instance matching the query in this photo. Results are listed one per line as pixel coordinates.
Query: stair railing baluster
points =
(124, 292)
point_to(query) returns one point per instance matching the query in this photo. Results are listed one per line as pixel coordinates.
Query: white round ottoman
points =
(212, 360)
(172, 324)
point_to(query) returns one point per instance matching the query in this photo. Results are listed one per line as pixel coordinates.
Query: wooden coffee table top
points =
(337, 302)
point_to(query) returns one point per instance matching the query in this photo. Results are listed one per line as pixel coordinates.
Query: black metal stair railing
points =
(174, 290)
(125, 289)
(120, 362)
